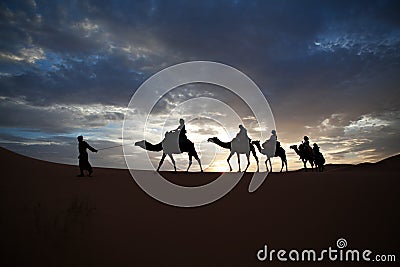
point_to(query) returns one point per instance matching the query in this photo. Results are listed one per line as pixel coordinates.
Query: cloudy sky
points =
(329, 69)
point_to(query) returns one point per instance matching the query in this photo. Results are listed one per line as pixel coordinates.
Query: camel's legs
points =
(190, 163)
(161, 161)
(238, 156)
(266, 163)
(270, 164)
(283, 164)
(198, 160)
(173, 161)
(305, 164)
(230, 156)
(248, 161)
(286, 165)
(253, 151)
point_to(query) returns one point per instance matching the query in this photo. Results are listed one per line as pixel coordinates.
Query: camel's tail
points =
(149, 146)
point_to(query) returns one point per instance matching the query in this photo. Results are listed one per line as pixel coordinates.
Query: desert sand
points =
(50, 217)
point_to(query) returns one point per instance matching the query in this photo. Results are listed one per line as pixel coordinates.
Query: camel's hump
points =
(240, 145)
(170, 143)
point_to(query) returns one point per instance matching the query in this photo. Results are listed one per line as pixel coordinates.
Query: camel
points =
(270, 153)
(304, 156)
(170, 147)
(228, 145)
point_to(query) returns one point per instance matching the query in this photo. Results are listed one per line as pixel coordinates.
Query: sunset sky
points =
(328, 69)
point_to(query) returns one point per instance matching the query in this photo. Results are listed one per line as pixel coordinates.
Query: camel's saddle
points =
(240, 144)
(170, 143)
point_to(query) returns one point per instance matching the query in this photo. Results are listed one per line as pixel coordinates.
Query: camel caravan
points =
(176, 142)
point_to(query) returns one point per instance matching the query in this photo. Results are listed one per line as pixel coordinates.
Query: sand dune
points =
(50, 217)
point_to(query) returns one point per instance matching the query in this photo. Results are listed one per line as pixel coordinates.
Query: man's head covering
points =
(182, 121)
(315, 145)
(273, 132)
(80, 138)
(241, 126)
(306, 138)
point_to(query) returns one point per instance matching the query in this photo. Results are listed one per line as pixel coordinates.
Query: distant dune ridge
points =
(50, 217)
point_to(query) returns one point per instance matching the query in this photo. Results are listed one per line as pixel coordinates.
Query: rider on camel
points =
(316, 149)
(182, 132)
(306, 144)
(272, 140)
(242, 134)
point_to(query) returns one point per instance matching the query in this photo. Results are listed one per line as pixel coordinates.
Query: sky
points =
(328, 69)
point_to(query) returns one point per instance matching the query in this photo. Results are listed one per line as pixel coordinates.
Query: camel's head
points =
(212, 139)
(293, 147)
(141, 144)
(255, 142)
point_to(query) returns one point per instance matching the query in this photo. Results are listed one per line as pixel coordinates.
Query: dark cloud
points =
(57, 118)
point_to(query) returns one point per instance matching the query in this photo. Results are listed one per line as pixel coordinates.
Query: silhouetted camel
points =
(305, 156)
(279, 152)
(187, 146)
(228, 145)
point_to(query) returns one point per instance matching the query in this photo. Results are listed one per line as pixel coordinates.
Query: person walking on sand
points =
(84, 157)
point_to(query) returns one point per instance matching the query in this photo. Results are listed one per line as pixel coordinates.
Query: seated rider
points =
(242, 134)
(318, 154)
(316, 149)
(181, 125)
(273, 138)
(306, 144)
(182, 132)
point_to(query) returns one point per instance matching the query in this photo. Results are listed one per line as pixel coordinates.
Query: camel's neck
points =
(296, 150)
(226, 145)
(149, 146)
